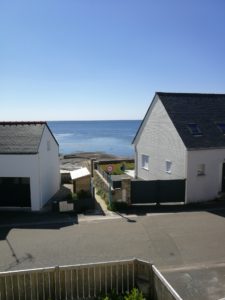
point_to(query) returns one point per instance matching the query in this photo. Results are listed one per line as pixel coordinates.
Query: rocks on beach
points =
(82, 159)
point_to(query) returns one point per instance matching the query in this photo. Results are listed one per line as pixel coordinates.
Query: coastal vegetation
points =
(82, 201)
(119, 167)
(134, 294)
(115, 206)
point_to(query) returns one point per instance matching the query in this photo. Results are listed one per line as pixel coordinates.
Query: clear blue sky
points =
(104, 59)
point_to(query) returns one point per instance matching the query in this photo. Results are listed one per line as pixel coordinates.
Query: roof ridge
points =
(190, 93)
(11, 123)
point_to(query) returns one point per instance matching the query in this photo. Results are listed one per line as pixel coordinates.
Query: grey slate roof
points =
(205, 110)
(20, 137)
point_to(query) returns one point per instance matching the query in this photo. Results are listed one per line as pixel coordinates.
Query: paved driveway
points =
(188, 247)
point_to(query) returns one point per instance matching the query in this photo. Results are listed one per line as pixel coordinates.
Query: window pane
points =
(201, 169)
(145, 161)
(194, 129)
(221, 127)
(168, 166)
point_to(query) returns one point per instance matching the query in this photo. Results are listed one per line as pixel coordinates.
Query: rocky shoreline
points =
(82, 159)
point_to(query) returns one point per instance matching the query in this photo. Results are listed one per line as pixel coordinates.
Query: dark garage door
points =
(157, 191)
(15, 192)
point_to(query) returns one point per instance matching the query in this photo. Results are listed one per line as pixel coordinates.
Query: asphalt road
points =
(187, 247)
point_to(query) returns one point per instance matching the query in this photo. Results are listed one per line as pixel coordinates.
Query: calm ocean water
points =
(113, 137)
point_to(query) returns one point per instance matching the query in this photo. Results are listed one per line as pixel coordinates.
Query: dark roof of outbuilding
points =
(20, 137)
(204, 110)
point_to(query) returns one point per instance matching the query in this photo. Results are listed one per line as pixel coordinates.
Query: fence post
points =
(126, 190)
(110, 190)
(144, 277)
(57, 283)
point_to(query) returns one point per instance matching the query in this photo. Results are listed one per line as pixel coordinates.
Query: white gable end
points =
(158, 140)
(48, 166)
(28, 179)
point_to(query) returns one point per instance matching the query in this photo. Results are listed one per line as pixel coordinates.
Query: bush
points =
(134, 294)
(117, 206)
(83, 194)
(72, 197)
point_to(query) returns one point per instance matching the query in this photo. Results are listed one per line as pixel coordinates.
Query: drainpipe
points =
(136, 162)
(39, 181)
(186, 175)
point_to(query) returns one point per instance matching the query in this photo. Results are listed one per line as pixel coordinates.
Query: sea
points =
(112, 137)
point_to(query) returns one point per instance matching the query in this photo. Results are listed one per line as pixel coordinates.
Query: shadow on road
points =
(126, 218)
(215, 207)
(31, 220)
(218, 211)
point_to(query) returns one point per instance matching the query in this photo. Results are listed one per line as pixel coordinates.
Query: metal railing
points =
(103, 173)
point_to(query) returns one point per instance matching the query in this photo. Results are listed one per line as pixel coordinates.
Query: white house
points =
(182, 136)
(29, 164)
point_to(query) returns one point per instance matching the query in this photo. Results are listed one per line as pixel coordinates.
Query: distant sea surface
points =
(112, 137)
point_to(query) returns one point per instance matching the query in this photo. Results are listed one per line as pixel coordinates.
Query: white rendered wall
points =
(23, 166)
(49, 166)
(160, 141)
(204, 187)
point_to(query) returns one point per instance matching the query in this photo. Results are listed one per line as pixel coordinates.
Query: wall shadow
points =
(31, 220)
(215, 207)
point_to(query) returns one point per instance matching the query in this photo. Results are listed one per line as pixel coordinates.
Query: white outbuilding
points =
(182, 137)
(29, 165)
(81, 180)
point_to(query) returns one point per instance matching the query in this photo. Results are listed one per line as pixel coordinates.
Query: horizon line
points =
(95, 120)
(70, 120)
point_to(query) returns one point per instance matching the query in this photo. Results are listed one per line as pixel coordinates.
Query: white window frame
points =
(145, 162)
(201, 170)
(168, 166)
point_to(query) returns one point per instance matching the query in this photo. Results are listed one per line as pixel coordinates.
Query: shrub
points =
(83, 194)
(117, 206)
(134, 294)
(72, 198)
(83, 201)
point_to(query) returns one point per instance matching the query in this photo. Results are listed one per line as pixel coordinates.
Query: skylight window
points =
(194, 129)
(221, 127)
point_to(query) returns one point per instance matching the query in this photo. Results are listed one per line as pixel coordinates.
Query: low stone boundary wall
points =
(100, 182)
(85, 281)
(121, 194)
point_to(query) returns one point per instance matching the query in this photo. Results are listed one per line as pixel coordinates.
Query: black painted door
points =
(223, 178)
(15, 192)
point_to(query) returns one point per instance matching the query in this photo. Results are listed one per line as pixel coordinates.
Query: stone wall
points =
(100, 183)
(118, 195)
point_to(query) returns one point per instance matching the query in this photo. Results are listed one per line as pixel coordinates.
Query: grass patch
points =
(103, 195)
(119, 167)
